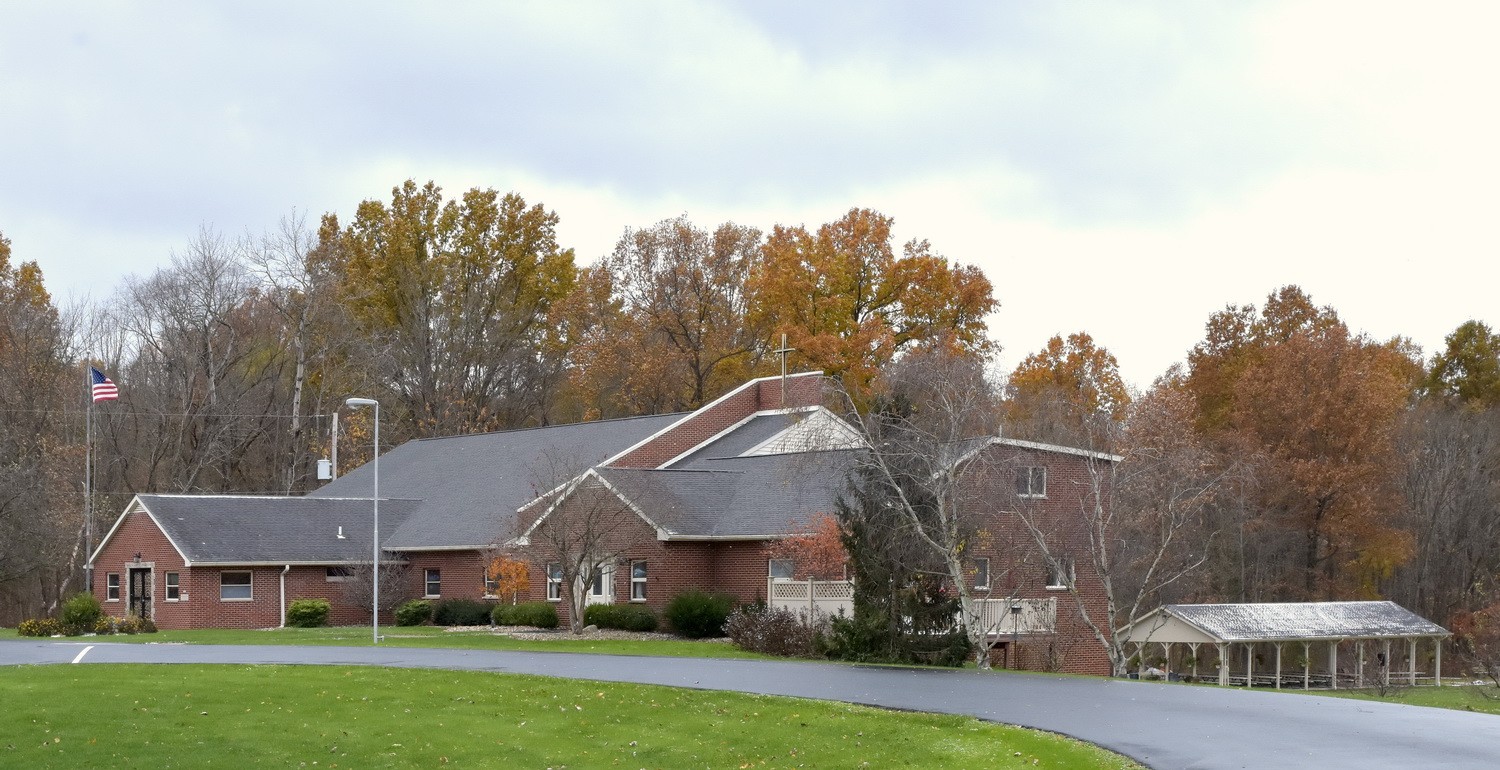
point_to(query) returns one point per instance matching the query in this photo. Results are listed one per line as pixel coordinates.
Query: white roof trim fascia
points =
(571, 485)
(733, 428)
(424, 548)
(579, 482)
(137, 504)
(1067, 450)
(285, 563)
(700, 410)
(722, 538)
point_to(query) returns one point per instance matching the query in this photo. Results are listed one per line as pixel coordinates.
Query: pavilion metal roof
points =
(1296, 621)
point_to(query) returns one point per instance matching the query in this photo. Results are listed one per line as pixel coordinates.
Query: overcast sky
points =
(1120, 168)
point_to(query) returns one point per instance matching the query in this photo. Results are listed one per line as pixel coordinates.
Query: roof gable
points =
(1284, 621)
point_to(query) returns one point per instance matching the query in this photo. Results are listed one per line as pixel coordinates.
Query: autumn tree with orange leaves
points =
(1058, 393)
(1314, 410)
(849, 304)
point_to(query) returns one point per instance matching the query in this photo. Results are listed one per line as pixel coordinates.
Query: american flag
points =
(104, 388)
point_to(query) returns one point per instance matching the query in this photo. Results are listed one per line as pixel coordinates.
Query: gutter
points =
(284, 570)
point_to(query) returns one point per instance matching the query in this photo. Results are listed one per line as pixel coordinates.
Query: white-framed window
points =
(1031, 481)
(432, 582)
(336, 574)
(554, 581)
(112, 587)
(638, 581)
(174, 587)
(781, 569)
(982, 573)
(1060, 573)
(597, 587)
(491, 585)
(235, 586)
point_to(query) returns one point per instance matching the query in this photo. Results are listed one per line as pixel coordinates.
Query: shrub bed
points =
(462, 612)
(626, 617)
(773, 632)
(81, 612)
(699, 614)
(535, 614)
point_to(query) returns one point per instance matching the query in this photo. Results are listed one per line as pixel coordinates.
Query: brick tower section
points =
(764, 394)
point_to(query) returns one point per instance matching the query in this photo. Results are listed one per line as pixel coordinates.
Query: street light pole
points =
(355, 403)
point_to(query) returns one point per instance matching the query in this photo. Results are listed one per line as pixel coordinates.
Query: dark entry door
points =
(140, 591)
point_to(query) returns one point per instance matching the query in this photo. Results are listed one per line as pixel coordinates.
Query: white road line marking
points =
(82, 653)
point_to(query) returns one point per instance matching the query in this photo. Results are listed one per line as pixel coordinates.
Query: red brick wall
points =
(757, 395)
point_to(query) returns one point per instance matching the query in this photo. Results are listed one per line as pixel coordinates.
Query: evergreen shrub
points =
(626, 617)
(534, 614)
(462, 612)
(414, 613)
(698, 614)
(308, 613)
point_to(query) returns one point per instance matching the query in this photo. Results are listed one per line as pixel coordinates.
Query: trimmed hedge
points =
(626, 617)
(414, 613)
(308, 613)
(40, 627)
(462, 612)
(698, 614)
(534, 614)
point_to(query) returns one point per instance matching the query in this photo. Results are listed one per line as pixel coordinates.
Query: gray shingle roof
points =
(232, 529)
(1304, 620)
(472, 485)
(764, 496)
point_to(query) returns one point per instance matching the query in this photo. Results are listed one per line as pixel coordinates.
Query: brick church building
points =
(708, 492)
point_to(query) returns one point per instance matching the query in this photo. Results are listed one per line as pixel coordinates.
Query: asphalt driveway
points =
(1162, 726)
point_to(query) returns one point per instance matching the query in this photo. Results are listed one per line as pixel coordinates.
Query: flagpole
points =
(88, 477)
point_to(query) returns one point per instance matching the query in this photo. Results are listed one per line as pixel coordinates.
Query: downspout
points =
(284, 570)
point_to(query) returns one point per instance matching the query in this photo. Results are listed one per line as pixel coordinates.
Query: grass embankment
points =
(125, 716)
(429, 636)
(1469, 697)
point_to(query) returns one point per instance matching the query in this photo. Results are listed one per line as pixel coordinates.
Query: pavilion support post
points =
(1333, 664)
(1411, 662)
(1250, 664)
(1307, 665)
(1359, 675)
(1437, 668)
(1385, 664)
(1193, 649)
(1223, 664)
(1166, 652)
(1278, 665)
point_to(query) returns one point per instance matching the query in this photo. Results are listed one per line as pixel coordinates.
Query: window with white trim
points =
(1031, 481)
(982, 573)
(781, 569)
(336, 574)
(554, 581)
(638, 581)
(112, 587)
(174, 587)
(433, 582)
(491, 585)
(1060, 573)
(235, 586)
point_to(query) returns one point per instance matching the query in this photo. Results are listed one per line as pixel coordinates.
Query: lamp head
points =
(355, 403)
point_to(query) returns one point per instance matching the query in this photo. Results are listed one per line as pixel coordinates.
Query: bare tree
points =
(935, 414)
(580, 526)
(1141, 519)
(358, 585)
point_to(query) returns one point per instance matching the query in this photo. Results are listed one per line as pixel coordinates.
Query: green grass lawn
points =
(429, 636)
(125, 716)
(1481, 698)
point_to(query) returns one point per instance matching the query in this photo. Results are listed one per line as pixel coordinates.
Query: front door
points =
(602, 590)
(139, 584)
